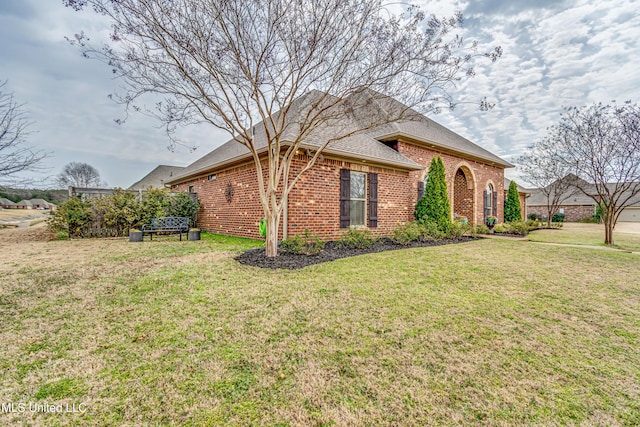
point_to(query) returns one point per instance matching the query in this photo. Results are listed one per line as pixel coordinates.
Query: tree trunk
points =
(609, 223)
(272, 220)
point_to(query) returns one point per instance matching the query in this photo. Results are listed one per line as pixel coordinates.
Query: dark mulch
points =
(331, 251)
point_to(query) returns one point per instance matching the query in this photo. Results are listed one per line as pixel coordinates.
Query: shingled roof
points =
(364, 142)
(157, 177)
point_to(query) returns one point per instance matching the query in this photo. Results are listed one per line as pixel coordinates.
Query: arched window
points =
(489, 201)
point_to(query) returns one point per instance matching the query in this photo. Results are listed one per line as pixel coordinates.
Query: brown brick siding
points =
(571, 212)
(463, 195)
(314, 203)
(480, 175)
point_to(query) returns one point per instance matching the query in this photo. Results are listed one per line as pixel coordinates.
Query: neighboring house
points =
(157, 178)
(24, 204)
(41, 204)
(371, 180)
(580, 207)
(523, 195)
(7, 204)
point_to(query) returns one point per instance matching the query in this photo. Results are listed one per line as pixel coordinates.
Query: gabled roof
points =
(6, 202)
(578, 197)
(39, 202)
(157, 177)
(364, 143)
(507, 183)
(24, 203)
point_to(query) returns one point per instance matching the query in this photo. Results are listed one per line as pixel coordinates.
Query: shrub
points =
(357, 238)
(459, 229)
(500, 228)
(434, 205)
(181, 204)
(72, 217)
(432, 230)
(117, 212)
(407, 233)
(155, 203)
(307, 243)
(533, 216)
(533, 224)
(482, 229)
(512, 209)
(557, 217)
(519, 227)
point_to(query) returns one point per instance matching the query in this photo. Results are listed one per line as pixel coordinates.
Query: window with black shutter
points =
(345, 188)
(353, 199)
(373, 200)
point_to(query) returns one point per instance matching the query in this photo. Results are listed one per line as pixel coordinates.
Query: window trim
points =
(358, 199)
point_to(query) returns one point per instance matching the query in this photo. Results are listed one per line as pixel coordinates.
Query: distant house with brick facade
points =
(372, 179)
(577, 206)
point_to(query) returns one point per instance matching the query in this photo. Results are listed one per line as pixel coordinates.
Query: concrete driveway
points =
(628, 227)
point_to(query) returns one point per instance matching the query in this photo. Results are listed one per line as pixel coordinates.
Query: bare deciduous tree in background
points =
(594, 150)
(15, 156)
(541, 167)
(235, 63)
(601, 143)
(76, 174)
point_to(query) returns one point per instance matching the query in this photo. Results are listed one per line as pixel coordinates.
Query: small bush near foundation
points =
(407, 233)
(459, 229)
(433, 230)
(533, 217)
(557, 217)
(500, 228)
(519, 227)
(357, 238)
(307, 243)
(482, 229)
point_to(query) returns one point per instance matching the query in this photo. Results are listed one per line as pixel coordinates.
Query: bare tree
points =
(236, 63)
(76, 174)
(542, 167)
(601, 145)
(15, 156)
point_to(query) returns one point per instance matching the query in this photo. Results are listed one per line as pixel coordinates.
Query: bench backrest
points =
(171, 223)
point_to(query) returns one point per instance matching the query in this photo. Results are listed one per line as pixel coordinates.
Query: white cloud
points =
(555, 54)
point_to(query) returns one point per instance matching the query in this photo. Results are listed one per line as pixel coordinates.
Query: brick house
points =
(577, 206)
(372, 179)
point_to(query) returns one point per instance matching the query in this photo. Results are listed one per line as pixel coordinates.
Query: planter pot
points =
(464, 220)
(135, 236)
(194, 234)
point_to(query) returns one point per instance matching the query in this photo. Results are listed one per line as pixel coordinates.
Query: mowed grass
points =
(586, 234)
(490, 332)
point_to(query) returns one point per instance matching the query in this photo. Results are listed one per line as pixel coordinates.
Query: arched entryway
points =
(463, 191)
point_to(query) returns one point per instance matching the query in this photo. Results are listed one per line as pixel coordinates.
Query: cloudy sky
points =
(556, 54)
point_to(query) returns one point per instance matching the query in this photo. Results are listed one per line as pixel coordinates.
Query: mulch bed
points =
(331, 251)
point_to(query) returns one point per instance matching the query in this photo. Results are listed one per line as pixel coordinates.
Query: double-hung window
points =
(358, 199)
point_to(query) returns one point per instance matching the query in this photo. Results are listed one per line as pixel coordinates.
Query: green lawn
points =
(586, 234)
(490, 332)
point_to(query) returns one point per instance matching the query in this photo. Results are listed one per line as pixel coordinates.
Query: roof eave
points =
(431, 144)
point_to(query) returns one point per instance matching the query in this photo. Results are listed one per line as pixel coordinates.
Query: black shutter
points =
(420, 190)
(373, 200)
(495, 203)
(486, 204)
(345, 194)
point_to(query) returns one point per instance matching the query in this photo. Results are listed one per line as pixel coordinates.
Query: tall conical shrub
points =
(512, 209)
(434, 205)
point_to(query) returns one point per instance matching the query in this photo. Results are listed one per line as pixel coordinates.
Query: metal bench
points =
(168, 224)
